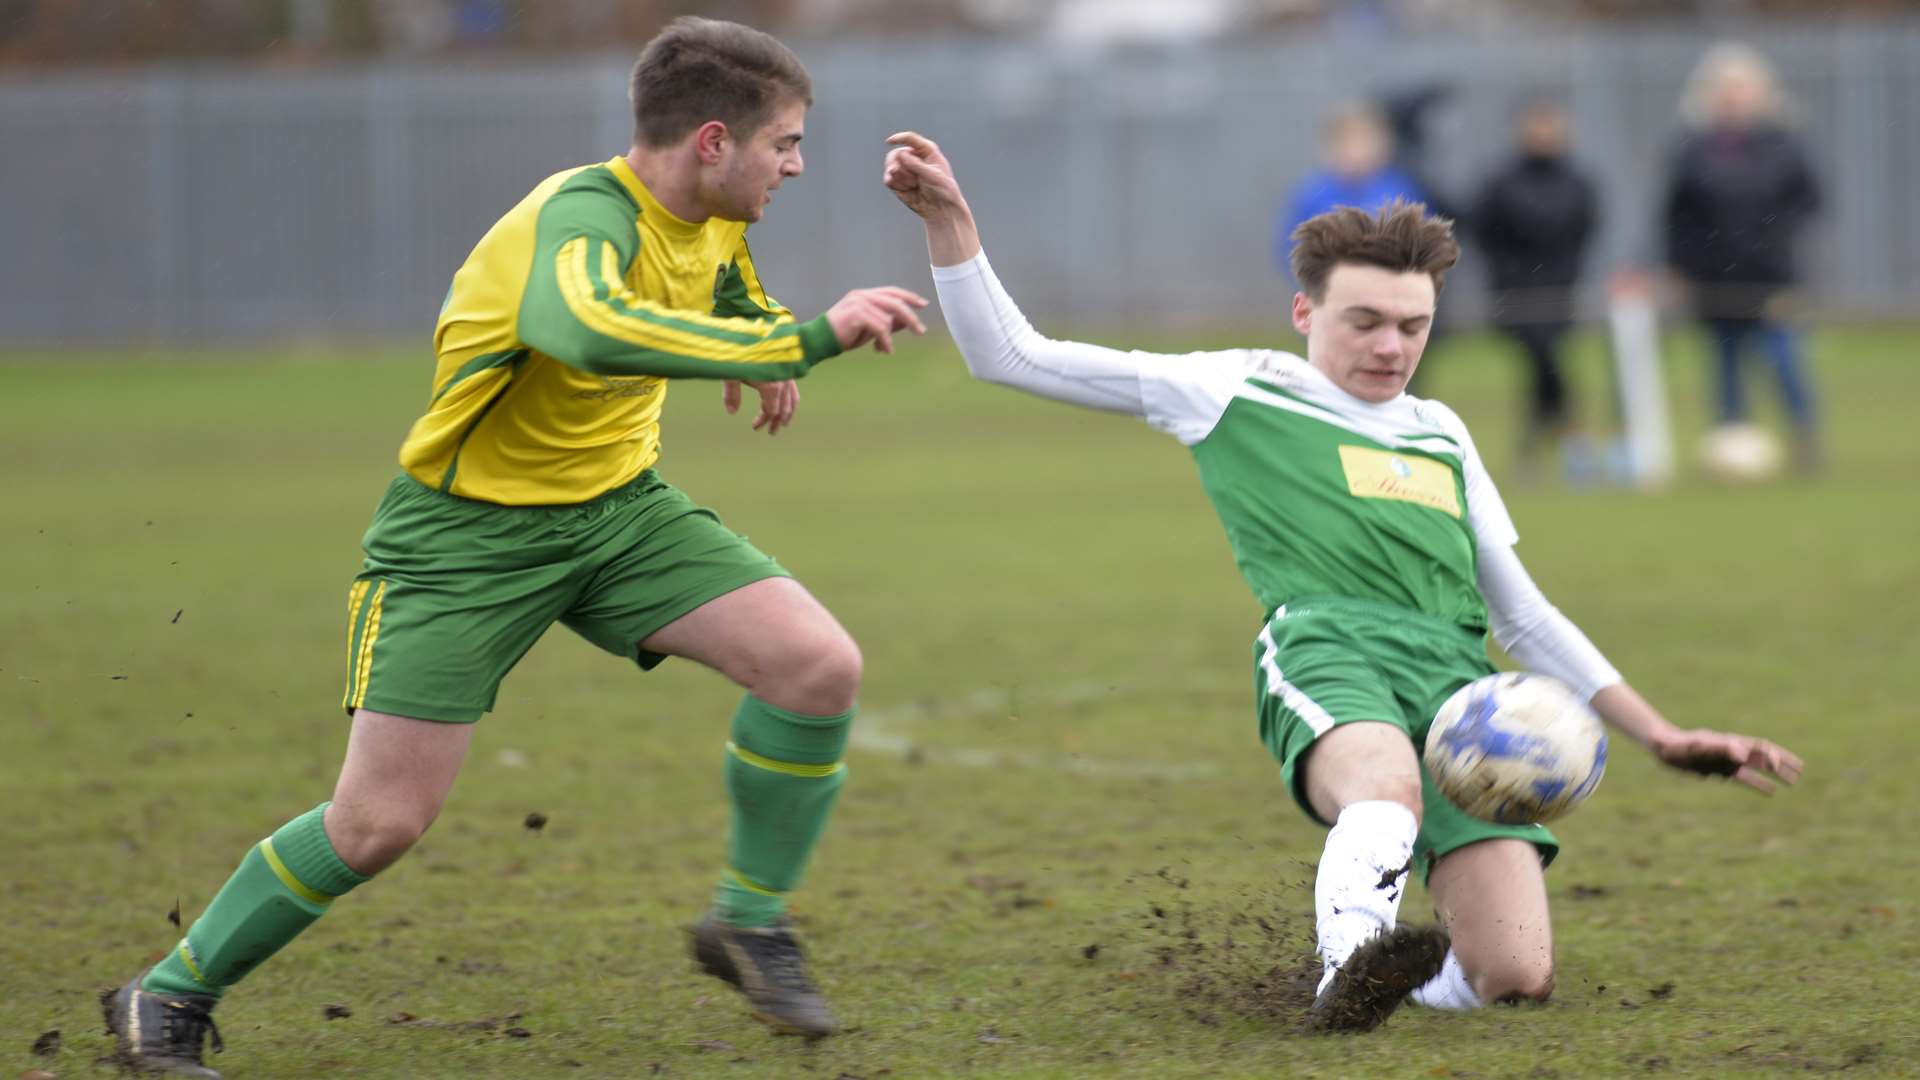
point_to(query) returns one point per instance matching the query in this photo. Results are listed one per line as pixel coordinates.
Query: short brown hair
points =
(1401, 237)
(698, 70)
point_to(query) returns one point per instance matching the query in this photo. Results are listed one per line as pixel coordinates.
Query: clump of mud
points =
(1246, 955)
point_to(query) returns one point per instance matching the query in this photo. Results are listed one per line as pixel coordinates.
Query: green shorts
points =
(1322, 663)
(454, 592)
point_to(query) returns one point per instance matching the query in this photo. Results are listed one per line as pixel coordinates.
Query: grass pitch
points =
(1062, 851)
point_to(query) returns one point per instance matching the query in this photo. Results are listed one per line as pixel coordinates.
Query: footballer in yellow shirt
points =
(527, 497)
(563, 328)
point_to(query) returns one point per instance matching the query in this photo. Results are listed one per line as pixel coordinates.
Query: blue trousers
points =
(1781, 348)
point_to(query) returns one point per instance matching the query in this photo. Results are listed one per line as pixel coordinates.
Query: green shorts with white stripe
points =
(1320, 663)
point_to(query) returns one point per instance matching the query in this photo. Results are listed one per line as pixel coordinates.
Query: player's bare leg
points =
(397, 774)
(775, 640)
(1492, 898)
(1365, 779)
(801, 671)
(396, 778)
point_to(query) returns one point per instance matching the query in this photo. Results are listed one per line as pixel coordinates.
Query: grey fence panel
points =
(81, 249)
(1125, 188)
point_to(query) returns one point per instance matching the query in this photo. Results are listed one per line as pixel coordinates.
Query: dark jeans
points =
(1547, 404)
(1781, 348)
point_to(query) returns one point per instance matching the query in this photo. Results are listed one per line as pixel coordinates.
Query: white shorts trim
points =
(1290, 695)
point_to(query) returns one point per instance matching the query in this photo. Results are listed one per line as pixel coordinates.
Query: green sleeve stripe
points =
(483, 362)
(594, 301)
(623, 302)
(651, 315)
(594, 202)
(576, 308)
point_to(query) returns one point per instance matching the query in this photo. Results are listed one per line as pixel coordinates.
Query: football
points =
(1516, 748)
(1741, 453)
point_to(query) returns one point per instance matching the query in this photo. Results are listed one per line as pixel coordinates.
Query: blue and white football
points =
(1516, 748)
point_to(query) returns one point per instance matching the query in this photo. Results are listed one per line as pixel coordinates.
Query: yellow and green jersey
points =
(564, 325)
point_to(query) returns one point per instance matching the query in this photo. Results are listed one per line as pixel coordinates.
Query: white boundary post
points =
(1634, 326)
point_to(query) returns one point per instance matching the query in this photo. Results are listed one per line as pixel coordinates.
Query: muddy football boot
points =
(765, 964)
(161, 1033)
(1377, 978)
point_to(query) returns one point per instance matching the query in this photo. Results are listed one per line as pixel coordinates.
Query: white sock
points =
(1363, 872)
(1449, 989)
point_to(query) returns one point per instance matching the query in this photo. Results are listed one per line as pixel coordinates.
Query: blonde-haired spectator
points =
(1739, 193)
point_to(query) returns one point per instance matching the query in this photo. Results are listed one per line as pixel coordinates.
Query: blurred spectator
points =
(1357, 170)
(1533, 219)
(1409, 115)
(481, 22)
(1739, 193)
(415, 26)
(310, 25)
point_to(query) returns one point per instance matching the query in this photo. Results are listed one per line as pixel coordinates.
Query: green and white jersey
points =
(1323, 494)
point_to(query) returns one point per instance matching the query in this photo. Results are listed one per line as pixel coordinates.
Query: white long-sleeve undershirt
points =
(1533, 631)
(1001, 346)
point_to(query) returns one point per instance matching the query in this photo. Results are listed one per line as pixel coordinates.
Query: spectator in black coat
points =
(1739, 193)
(1532, 221)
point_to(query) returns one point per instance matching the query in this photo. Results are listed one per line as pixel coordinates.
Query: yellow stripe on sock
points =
(193, 969)
(813, 772)
(366, 645)
(294, 885)
(740, 879)
(355, 597)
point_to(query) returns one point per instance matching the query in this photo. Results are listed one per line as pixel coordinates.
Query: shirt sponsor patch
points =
(1383, 474)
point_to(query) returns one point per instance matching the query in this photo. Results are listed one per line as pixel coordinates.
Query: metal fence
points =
(212, 205)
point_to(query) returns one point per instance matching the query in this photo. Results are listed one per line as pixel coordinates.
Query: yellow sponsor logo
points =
(1383, 474)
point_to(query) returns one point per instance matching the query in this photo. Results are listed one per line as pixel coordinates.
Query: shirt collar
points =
(650, 208)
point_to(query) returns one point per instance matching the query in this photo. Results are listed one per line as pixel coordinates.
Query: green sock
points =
(286, 881)
(783, 774)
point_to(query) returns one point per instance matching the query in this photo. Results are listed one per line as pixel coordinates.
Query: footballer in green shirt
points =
(1378, 547)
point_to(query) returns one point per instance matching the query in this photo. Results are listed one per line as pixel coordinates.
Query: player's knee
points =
(1536, 986)
(819, 677)
(370, 840)
(1404, 790)
(1515, 980)
(1355, 763)
(834, 674)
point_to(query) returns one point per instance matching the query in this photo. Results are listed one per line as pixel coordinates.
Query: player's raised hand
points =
(778, 401)
(874, 315)
(920, 175)
(1757, 763)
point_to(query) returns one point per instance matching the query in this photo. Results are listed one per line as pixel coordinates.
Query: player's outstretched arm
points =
(920, 176)
(999, 344)
(862, 317)
(1540, 638)
(578, 309)
(1755, 762)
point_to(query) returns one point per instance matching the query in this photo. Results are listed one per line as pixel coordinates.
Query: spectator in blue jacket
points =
(1357, 170)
